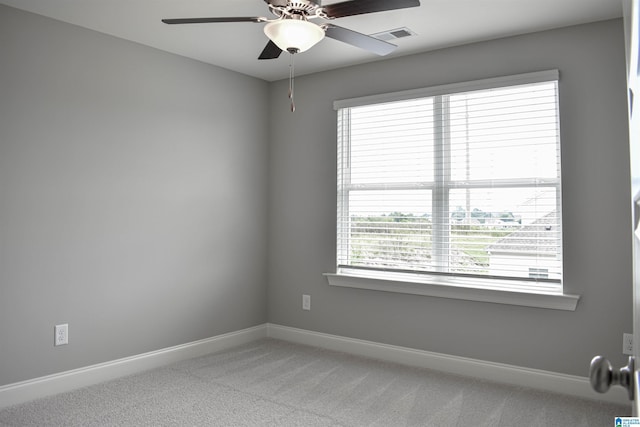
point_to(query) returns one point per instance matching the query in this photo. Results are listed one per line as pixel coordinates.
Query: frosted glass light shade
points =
(290, 34)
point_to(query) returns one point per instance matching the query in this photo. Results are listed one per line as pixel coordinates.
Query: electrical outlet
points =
(61, 334)
(627, 344)
(306, 302)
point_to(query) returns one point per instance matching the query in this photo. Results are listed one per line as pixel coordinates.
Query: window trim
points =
(456, 288)
(447, 89)
(502, 291)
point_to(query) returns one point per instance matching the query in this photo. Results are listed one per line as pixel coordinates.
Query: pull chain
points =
(291, 80)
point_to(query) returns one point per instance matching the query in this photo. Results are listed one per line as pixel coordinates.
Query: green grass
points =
(380, 240)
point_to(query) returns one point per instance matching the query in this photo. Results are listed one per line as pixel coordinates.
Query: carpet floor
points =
(276, 383)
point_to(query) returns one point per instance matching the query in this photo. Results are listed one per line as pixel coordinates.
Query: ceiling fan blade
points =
(214, 20)
(271, 51)
(363, 41)
(359, 7)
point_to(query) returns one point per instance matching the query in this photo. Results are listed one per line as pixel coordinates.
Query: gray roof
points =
(541, 237)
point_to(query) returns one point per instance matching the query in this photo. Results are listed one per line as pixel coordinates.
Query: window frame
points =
(460, 286)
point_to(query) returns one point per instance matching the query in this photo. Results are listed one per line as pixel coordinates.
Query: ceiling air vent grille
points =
(397, 33)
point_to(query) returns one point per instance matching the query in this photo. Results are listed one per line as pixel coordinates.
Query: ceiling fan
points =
(293, 31)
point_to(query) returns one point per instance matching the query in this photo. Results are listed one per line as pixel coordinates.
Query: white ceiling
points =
(236, 46)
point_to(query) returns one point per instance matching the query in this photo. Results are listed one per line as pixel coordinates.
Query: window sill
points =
(450, 288)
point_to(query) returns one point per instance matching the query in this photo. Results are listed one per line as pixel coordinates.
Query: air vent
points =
(397, 33)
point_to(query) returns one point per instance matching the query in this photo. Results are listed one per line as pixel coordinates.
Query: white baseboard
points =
(24, 391)
(498, 372)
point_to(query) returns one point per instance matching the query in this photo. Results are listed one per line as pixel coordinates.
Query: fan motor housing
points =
(298, 7)
(302, 6)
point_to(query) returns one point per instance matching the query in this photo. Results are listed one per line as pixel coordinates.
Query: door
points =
(632, 41)
(601, 373)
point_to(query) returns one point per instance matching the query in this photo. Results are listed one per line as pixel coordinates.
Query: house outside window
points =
(456, 181)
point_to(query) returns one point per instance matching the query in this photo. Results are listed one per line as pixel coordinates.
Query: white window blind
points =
(460, 180)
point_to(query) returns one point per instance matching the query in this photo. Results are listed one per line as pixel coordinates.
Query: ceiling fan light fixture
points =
(294, 35)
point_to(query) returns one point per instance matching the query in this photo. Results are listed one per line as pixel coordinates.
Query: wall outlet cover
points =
(61, 334)
(627, 344)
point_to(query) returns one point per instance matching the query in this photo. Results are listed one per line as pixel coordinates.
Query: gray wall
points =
(596, 215)
(144, 198)
(133, 198)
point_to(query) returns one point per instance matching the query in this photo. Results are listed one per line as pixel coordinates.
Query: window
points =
(457, 183)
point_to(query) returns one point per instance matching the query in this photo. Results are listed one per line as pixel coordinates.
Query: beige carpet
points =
(275, 383)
